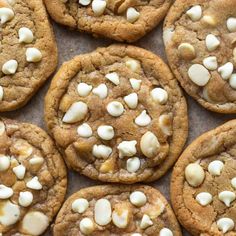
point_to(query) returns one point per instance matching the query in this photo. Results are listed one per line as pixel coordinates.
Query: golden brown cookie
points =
(120, 20)
(203, 186)
(116, 210)
(117, 114)
(200, 41)
(28, 53)
(32, 179)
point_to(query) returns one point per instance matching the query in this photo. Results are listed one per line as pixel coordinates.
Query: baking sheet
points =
(71, 43)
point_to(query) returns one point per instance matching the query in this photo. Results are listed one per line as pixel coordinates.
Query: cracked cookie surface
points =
(28, 53)
(117, 114)
(121, 20)
(116, 210)
(203, 185)
(33, 179)
(200, 44)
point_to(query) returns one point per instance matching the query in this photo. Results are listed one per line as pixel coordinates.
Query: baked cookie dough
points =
(32, 179)
(28, 53)
(116, 210)
(203, 186)
(200, 41)
(119, 20)
(117, 114)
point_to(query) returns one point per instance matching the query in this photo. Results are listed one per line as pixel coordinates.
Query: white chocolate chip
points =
(186, 51)
(101, 91)
(195, 13)
(143, 119)
(159, 95)
(6, 14)
(227, 197)
(132, 14)
(210, 63)
(23, 148)
(133, 164)
(215, 167)
(226, 70)
(2, 128)
(231, 24)
(10, 67)
(204, 198)
(115, 109)
(120, 219)
(131, 100)
(132, 64)
(5, 192)
(232, 81)
(85, 131)
(233, 182)
(135, 83)
(25, 35)
(166, 232)
(19, 171)
(113, 77)
(36, 160)
(225, 224)
(84, 2)
(127, 148)
(34, 184)
(4, 162)
(33, 55)
(165, 123)
(1, 93)
(106, 132)
(210, 20)
(212, 42)
(101, 151)
(168, 35)
(86, 226)
(80, 205)
(25, 198)
(102, 212)
(10, 213)
(145, 222)
(199, 74)
(194, 174)
(98, 7)
(35, 223)
(149, 144)
(84, 89)
(76, 112)
(138, 198)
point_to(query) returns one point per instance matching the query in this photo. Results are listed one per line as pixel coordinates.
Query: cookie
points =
(33, 179)
(116, 210)
(119, 20)
(200, 42)
(117, 114)
(203, 186)
(28, 53)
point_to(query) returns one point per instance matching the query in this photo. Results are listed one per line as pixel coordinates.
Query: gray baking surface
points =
(71, 43)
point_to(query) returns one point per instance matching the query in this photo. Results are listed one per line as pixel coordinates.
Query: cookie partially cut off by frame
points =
(28, 52)
(117, 114)
(33, 179)
(203, 185)
(116, 210)
(116, 19)
(200, 42)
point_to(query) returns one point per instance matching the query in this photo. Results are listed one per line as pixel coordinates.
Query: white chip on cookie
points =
(33, 55)
(166, 232)
(25, 198)
(132, 64)
(115, 108)
(135, 83)
(231, 24)
(1, 93)
(210, 63)
(5, 192)
(101, 151)
(212, 42)
(106, 132)
(132, 15)
(225, 224)
(226, 70)
(186, 51)
(195, 13)
(25, 35)
(215, 167)
(80, 205)
(98, 7)
(34, 184)
(6, 14)
(194, 174)
(227, 197)
(145, 222)
(84, 130)
(204, 198)
(102, 212)
(101, 91)
(159, 95)
(36, 160)
(133, 164)
(19, 171)
(86, 226)
(198, 74)
(84, 89)
(131, 100)
(84, 2)
(232, 81)
(138, 198)
(127, 148)
(113, 77)
(233, 182)
(143, 119)
(4, 162)
(10, 67)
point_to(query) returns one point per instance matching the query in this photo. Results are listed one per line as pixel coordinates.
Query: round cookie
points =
(33, 179)
(117, 114)
(28, 53)
(203, 186)
(199, 37)
(119, 20)
(116, 210)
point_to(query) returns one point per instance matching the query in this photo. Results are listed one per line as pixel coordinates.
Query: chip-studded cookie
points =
(120, 20)
(32, 179)
(116, 210)
(203, 186)
(28, 53)
(200, 41)
(117, 114)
